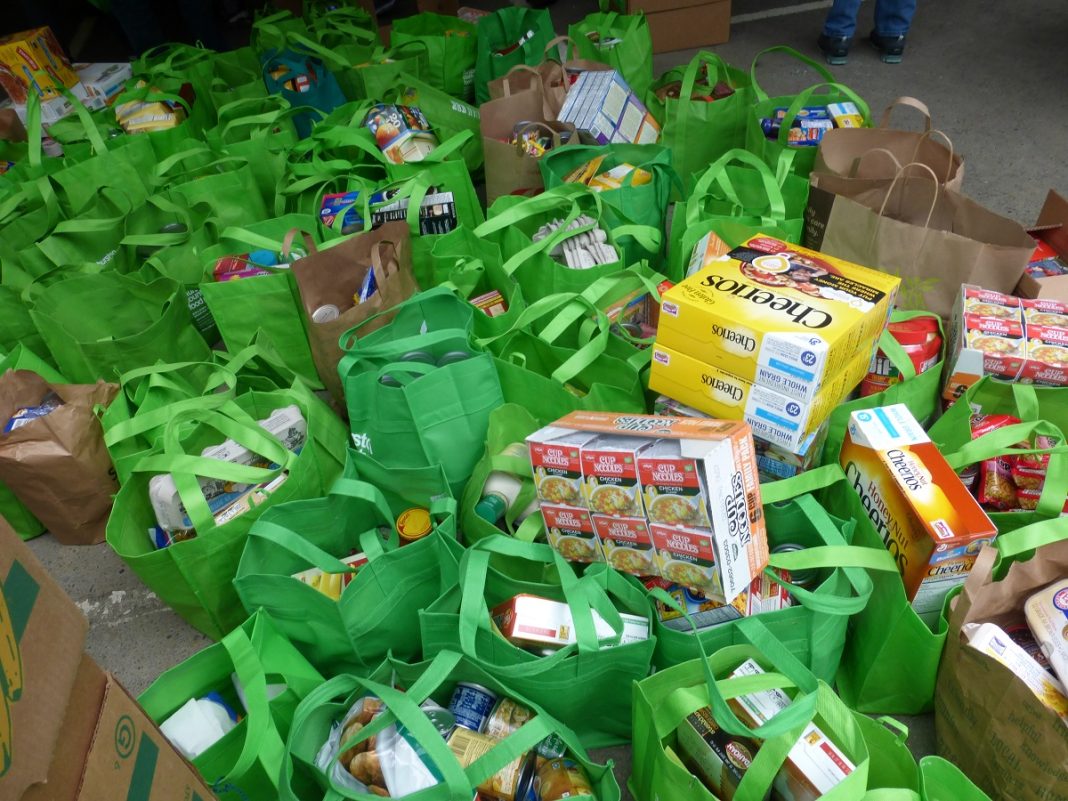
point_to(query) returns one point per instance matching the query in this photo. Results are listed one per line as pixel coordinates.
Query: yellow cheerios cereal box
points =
(775, 313)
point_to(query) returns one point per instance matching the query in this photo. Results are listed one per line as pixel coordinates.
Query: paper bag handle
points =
(934, 198)
(881, 151)
(909, 102)
(291, 234)
(949, 145)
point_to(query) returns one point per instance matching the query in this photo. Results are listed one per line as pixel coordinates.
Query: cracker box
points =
(926, 517)
(722, 452)
(604, 110)
(33, 61)
(103, 82)
(775, 417)
(776, 314)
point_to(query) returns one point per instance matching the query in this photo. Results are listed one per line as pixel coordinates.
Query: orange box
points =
(928, 520)
(34, 61)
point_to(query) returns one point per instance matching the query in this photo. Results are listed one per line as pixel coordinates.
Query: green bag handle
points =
(348, 341)
(604, 287)
(565, 195)
(820, 70)
(415, 189)
(809, 481)
(164, 166)
(159, 240)
(717, 173)
(249, 237)
(475, 614)
(1016, 545)
(893, 349)
(131, 94)
(804, 96)
(180, 57)
(689, 77)
(92, 133)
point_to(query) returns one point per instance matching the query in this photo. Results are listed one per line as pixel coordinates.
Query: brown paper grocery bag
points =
(934, 238)
(987, 721)
(57, 464)
(842, 151)
(333, 276)
(510, 170)
(523, 79)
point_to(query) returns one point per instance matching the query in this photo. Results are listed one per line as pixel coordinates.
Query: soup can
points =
(513, 782)
(508, 715)
(471, 705)
(418, 356)
(800, 578)
(561, 778)
(326, 314)
(452, 357)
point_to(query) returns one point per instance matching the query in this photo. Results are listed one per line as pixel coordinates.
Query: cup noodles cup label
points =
(570, 531)
(687, 557)
(627, 544)
(555, 460)
(610, 476)
(671, 485)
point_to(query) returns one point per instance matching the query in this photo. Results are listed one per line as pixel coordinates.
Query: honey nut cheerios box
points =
(928, 520)
(612, 449)
(777, 314)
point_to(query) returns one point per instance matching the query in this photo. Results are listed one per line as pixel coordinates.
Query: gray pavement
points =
(993, 76)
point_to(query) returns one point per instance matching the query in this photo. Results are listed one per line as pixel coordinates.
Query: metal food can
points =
(326, 314)
(418, 356)
(389, 381)
(561, 778)
(513, 782)
(799, 578)
(471, 705)
(507, 716)
(452, 357)
(443, 719)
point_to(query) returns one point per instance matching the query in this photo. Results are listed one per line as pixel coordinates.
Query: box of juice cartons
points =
(933, 527)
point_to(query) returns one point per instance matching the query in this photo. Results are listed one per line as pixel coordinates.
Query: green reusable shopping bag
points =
(273, 677)
(699, 131)
(195, 576)
(514, 221)
(235, 75)
(820, 94)
(451, 50)
(403, 487)
(921, 393)
(814, 627)
(644, 204)
(384, 67)
(271, 31)
(407, 411)
(347, 36)
(136, 324)
(245, 306)
(663, 701)
(509, 36)
(1043, 411)
(307, 777)
(736, 198)
(620, 40)
(474, 266)
(17, 328)
(377, 612)
(583, 675)
(226, 187)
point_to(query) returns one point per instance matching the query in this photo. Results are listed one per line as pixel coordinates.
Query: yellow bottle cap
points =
(413, 523)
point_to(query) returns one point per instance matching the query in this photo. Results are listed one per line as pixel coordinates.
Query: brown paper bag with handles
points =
(57, 465)
(912, 226)
(842, 151)
(333, 277)
(987, 721)
(510, 169)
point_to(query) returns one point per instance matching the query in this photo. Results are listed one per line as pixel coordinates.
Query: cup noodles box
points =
(928, 520)
(603, 110)
(775, 417)
(570, 531)
(34, 61)
(721, 451)
(533, 621)
(781, 315)
(813, 767)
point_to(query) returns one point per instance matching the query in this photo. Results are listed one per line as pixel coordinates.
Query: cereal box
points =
(570, 531)
(775, 417)
(555, 459)
(766, 304)
(627, 544)
(34, 61)
(402, 133)
(671, 485)
(1047, 615)
(610, 476)
(926, 517)
(723, 450)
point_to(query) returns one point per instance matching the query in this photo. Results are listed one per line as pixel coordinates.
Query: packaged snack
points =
(27, 414)
(437, 210)
(626, 543)
(34, 61)
(989, 639)
(610, 476)
(618, 176)
(332, 584)
(103, 82)
(845, 115)
(492, 303)
(924, 514)
(145, 116)
(1047, 616)
(402, 133)
(768, 311)
(569, 531)
(532, 621)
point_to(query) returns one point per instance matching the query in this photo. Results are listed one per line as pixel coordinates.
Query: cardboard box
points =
(1052, 229)
(685, 24)
(604, 110)
(76, 734)
(103, 82)
(34, 61)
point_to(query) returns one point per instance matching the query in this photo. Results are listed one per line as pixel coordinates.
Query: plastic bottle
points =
(501, 489)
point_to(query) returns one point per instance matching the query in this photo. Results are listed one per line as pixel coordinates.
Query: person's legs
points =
(841, 19)
(893, 17)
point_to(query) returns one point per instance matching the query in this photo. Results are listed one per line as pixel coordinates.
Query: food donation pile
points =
(728, 423)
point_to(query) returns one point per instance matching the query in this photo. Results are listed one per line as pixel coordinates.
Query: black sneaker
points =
(835, 48)
(890, 48)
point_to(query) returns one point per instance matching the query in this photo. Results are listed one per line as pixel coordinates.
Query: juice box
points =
(627, 544)
(610, 476)
(767, 304)
(570, 532)
(933, 527)
(672, 487)
(555, 458)
(775, 417)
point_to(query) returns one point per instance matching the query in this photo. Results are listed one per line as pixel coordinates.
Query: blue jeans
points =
(892, 17)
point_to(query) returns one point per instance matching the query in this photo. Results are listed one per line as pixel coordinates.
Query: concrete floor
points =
(993, 76)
